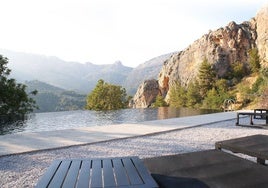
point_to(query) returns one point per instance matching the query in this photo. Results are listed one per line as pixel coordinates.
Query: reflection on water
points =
(84, 118)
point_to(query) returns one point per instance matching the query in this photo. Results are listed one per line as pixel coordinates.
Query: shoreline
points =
(24, 170)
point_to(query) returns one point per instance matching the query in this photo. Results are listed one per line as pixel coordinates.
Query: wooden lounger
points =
(210, 168)
(255, 146)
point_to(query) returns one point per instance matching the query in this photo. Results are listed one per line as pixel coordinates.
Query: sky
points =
(106, 31)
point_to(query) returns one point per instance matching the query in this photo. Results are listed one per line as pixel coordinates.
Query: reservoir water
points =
(85, 118)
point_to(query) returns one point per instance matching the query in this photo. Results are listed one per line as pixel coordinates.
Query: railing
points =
(228, 105)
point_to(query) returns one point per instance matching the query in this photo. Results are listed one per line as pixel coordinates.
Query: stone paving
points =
(26, 142)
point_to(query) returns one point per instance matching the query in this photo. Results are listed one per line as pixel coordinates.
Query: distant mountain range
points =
(145, 71)
(79, 77)
(64, 85)
(67, 75)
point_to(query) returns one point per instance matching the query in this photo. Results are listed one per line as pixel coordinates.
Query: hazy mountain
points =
(145, 71)
(77, 76)
(67, 75)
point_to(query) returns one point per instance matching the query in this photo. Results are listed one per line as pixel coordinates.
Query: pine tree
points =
(159, 102)
(177, 95)
(206, 77)
(193, 96)
(254, 60)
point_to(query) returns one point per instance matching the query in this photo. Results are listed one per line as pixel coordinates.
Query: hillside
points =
(50, 98)
(231, 53)
(222, 48)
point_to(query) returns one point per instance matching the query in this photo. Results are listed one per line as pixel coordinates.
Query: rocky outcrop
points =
(262, 31)
(221, 48)
(146, 94)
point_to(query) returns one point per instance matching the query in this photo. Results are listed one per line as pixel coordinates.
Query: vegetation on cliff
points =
(210, 91)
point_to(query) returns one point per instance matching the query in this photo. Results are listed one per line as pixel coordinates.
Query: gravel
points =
(24, 170)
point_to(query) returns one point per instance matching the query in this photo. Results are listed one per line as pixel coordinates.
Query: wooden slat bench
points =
(256, 114)
(207, 169)
(255, 146)
(107, 172)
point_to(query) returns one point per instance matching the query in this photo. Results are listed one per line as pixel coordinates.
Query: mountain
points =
(80, 77)
(50, 98)
(224, 48)
(145, 71)
(67, 75)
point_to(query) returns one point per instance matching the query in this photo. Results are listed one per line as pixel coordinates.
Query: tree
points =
(193, 96)
(106, 97)
(254, 60)
(215, 97)
(177, 96)
(159, 102)
(14, 101)
(238, 71)
(206, 77)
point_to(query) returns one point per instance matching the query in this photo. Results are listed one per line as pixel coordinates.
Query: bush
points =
(159, 102)
(254, 60)
(106, 97)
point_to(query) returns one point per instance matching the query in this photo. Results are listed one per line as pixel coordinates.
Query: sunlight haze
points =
(105, 31)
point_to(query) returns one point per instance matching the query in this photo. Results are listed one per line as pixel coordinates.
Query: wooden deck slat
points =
(46, 178)
(132, 173)
(120, 173)
(96, 176)
(127, 172)
(71, 177)
(59, 177)
(84, 175)
(108, 174)
(144, 173)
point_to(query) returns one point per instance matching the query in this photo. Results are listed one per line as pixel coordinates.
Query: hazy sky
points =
(104, 31)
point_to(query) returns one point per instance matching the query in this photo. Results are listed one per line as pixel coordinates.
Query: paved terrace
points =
(26, 142)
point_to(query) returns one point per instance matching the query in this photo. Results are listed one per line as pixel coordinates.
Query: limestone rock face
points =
(262, 31)
(146, 94)
(221, 48)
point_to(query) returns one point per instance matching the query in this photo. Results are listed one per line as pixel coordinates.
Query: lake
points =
(84, 118)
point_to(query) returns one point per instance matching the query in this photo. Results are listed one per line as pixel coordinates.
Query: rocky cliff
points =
(262, 34)
(222, 48)
(146, 94)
